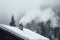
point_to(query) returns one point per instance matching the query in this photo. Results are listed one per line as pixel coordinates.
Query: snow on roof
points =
(25, 34)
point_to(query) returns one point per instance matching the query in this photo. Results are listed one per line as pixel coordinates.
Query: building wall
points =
(4, 35)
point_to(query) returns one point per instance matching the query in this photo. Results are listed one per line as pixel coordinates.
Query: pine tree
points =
(56, 31)
(42, 29)
(59, 36)
(21, 26)
(48, 23)
(39, 30)
(12, 23)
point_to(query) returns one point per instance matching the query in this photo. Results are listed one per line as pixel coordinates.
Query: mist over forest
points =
(20, 7)
(40, 16)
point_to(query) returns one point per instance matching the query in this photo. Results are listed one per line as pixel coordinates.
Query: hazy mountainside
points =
(40, 16)
(45, 29)
(43, 22)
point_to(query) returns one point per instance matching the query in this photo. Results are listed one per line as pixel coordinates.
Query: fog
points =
(19, 7)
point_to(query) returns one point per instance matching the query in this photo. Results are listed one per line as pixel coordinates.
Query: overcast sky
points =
(20, 7)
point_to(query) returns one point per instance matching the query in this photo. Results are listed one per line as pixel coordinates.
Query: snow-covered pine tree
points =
(47, 28)
(42, 28)
(12, 23)
(21, 26)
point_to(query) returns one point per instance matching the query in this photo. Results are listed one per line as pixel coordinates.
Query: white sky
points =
(20, 7)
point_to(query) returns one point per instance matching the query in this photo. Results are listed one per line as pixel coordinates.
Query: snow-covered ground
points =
(25, 34)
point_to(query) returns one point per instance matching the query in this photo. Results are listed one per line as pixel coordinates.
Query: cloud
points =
(46, 14)
(29, 16)
(54, 22)
(42, 16)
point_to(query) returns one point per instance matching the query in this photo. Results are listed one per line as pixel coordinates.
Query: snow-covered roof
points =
(25, 34)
